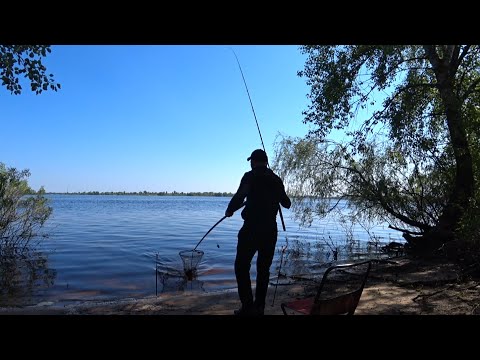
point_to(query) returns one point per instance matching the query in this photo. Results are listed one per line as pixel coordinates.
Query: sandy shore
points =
(406, 287)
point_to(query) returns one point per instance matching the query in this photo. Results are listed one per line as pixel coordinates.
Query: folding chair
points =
(338, 293)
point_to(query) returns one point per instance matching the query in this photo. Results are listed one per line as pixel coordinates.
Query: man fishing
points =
(264, 191)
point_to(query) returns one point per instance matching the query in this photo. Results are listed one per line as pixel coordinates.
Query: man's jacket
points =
(264, 191)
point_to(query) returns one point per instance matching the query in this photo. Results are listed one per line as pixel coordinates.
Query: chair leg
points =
(283, 309)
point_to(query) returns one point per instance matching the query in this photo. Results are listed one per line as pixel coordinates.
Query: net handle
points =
(218, 222)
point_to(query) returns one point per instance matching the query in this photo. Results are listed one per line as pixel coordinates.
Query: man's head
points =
(258, 158)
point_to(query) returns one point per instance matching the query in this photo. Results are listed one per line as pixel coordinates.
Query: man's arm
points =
(237, 200)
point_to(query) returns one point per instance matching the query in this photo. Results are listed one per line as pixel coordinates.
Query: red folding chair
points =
(338, 293)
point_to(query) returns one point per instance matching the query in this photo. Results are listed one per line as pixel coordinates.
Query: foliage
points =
(21, 215)
(410, 120)
(380, 185)
(26, 61)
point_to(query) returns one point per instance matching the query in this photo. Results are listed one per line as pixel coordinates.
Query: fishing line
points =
(263, 145)
(258, 127)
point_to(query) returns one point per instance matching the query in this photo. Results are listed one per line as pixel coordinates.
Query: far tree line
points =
(145, 193)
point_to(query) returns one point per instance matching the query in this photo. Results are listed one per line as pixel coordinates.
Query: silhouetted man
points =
(264, 191)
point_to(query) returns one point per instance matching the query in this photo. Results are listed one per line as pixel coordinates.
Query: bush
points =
(23, 212)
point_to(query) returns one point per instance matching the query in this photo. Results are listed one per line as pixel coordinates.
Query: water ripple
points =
(107, 246)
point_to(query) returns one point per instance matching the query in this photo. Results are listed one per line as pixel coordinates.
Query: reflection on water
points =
(23, 276)
(304, 260)
(173, 282)
(296, 260)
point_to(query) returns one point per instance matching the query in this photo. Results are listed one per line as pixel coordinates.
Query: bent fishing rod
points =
(208, 232)
(258, 127)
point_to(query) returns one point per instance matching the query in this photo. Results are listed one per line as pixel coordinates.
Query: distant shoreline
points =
(144, 193)
(161, 193)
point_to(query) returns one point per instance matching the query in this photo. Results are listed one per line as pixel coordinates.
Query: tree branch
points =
(432, 55)
(405, 230)
(378, 197)
(454, 59)
(402, 89)
(461, 57)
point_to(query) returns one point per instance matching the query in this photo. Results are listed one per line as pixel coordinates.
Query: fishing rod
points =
(208, 232)
(279, 268)
(258, 127)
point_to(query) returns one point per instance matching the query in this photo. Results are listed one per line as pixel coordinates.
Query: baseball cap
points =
(258, 155)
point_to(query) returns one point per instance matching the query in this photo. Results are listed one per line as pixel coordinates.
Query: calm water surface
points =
(106, 247)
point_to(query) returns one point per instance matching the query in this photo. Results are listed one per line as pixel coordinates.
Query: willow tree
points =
(22, 213)
(410, 159)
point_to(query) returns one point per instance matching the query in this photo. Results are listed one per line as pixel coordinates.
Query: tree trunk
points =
(464, 186)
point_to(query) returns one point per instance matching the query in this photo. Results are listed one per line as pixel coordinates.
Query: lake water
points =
(111, 247)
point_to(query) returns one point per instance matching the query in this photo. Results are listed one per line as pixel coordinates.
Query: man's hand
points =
(228, 213)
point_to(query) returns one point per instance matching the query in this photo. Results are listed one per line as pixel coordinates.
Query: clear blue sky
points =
(154, 118)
